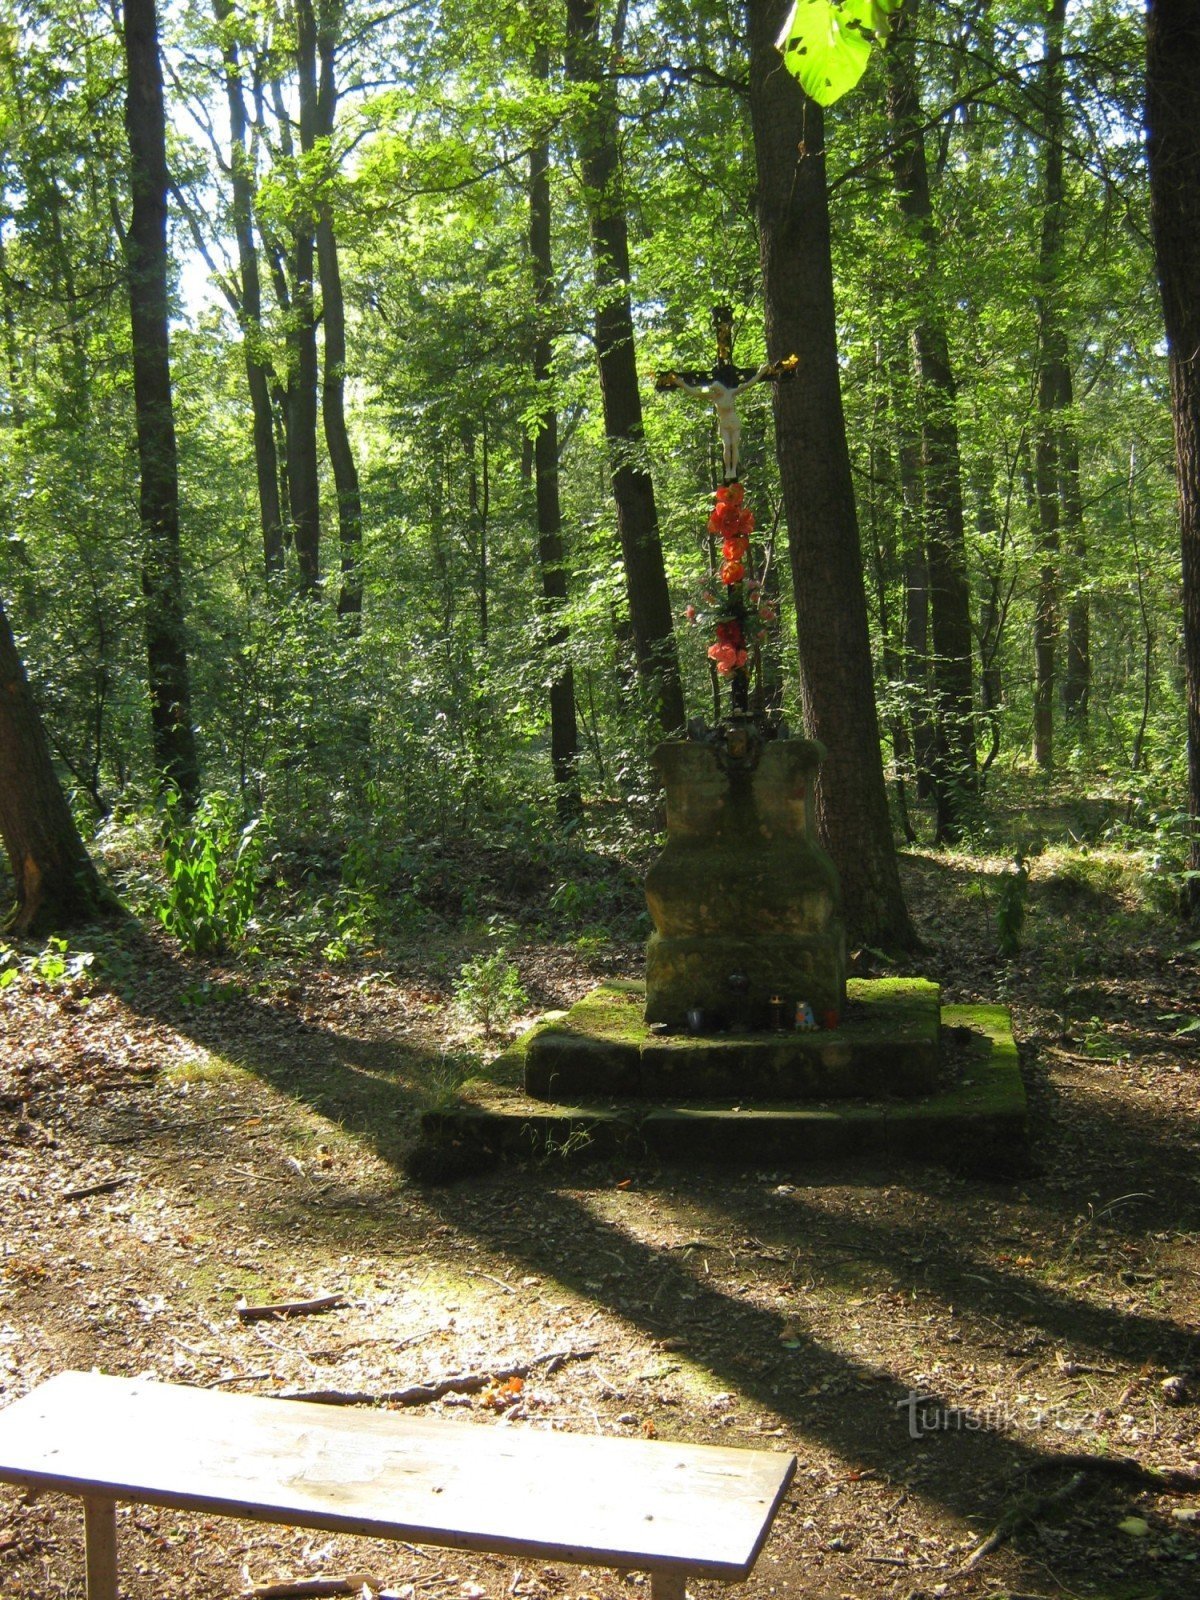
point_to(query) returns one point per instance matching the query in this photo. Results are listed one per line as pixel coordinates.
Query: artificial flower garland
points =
(743, 593)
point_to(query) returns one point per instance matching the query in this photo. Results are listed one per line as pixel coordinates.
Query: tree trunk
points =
(954, 768)
(56, 883)
(564, 730)
(333, 318)
(477, 522)
(1061, 514)
(991, 614)
(836, 682)
(1053, 393)
(1173, 147)
(146, 260)
(1077, 668)
(304, 490)
(633, 491)
(258, 373)
(918, 688)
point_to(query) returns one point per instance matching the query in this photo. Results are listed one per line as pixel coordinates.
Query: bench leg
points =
(100, 1537)
(663, 1586)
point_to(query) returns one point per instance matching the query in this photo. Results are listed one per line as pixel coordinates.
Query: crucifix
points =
(722, 386)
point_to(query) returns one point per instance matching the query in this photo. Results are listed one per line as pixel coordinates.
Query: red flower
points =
(727, 658)
(732, 572)
(730, 494)
(736, 549)
(727, 521)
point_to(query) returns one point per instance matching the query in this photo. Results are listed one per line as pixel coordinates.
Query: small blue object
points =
(805, 1021)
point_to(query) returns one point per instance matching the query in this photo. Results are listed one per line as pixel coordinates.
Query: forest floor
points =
(242, 1130)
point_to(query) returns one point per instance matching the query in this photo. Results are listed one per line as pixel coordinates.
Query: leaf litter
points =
(990, 1388)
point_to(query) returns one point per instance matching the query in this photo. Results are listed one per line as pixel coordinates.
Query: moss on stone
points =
(978, 1124)
(886, 1045)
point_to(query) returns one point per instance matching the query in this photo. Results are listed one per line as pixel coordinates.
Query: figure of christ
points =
(722, 397)
(722, 386)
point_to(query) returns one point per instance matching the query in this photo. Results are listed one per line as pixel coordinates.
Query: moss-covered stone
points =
(742, 889)
(976, 1125)
(885, 1045)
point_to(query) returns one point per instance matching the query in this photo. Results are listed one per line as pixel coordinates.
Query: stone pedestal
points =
(742, 891)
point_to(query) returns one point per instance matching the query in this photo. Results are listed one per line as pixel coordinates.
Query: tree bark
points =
(1077, 668)
(954, 760)
(304, 492)
(564, 729)
(836, 680)
(1060, 503)
(333, 319)
(1173, 148)
(57, 885)
(258, 372)
(633, 490)
(146, 262)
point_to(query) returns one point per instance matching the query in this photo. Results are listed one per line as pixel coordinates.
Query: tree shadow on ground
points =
(845, 1403)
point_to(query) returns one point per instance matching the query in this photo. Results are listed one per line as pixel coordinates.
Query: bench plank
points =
(700, 1509)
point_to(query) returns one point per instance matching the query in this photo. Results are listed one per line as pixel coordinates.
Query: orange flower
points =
(736, 549)
(732, 572)
(727, 521)
(730, 494)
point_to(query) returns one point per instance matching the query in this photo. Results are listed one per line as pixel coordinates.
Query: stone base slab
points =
(886, 1044)
(976, 1124)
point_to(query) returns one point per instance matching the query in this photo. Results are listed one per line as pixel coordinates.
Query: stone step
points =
(976, 1122)
(886, 1043)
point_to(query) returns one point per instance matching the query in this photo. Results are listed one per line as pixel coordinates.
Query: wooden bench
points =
(674, 1510)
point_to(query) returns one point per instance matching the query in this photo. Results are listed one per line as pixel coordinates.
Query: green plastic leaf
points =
(827, 43)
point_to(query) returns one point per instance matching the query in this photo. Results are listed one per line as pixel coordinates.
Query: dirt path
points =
(249, 1139)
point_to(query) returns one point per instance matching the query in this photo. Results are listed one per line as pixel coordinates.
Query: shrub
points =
(211, 861)
(488, 990)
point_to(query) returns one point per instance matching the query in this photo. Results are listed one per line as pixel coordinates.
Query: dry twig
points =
(290, 1308)
(421, 1394)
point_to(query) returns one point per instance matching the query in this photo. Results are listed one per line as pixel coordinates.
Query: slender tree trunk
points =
(836, 680)
(304, 490)
(1077, 668)
(919, 690)
(1173, 144)
(12, 362)
(1060, 502)
(633, 491)
(333, 317)
(56, 883)
(477, 519)
(564, 730)
(258, 372)
(954, 766)
(146, 260)
(991, 620)
(1053, 393)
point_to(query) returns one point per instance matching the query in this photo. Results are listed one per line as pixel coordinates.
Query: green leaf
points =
(827, 43)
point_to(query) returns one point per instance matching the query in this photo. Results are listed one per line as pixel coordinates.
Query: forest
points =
(362, 537)
(335, 484)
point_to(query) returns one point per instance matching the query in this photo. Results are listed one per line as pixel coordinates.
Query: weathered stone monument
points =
(746, 1040)
(744, 902)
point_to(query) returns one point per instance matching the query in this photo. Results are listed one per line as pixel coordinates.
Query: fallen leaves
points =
(502, 1393)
